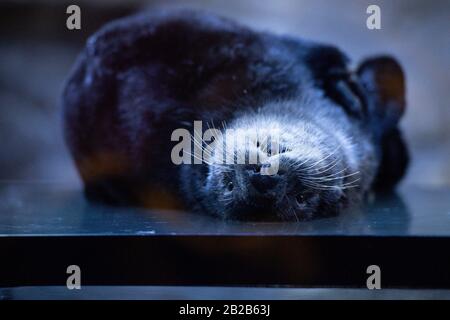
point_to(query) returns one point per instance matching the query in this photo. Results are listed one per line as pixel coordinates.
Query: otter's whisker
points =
(350, 182)
(222, 166)
(323, 159)
(299, 162)
(291, 209)
(328, 167)
(196, 157)
(330, 175)
(334, 178)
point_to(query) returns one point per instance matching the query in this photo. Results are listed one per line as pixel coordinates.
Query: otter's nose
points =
(264, 183)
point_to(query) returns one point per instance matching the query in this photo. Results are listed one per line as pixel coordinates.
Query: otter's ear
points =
(383, 81)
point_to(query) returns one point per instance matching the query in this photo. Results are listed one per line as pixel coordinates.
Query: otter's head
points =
(310, 155)
(282, 161)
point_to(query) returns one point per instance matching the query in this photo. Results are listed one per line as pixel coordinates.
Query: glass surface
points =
(54, 209)
(212, 293)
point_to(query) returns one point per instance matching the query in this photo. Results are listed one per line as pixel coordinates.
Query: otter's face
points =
(302, 171)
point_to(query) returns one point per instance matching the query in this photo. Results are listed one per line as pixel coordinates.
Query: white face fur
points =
(322, 159)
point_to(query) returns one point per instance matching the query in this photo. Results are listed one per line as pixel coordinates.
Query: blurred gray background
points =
(37, 51)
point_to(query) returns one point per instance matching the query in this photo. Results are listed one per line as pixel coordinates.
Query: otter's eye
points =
(284, 149)
(230, 186)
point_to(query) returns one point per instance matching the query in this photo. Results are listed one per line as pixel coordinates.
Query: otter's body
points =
(143, 77)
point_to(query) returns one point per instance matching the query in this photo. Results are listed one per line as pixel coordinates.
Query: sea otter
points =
(142, 77)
